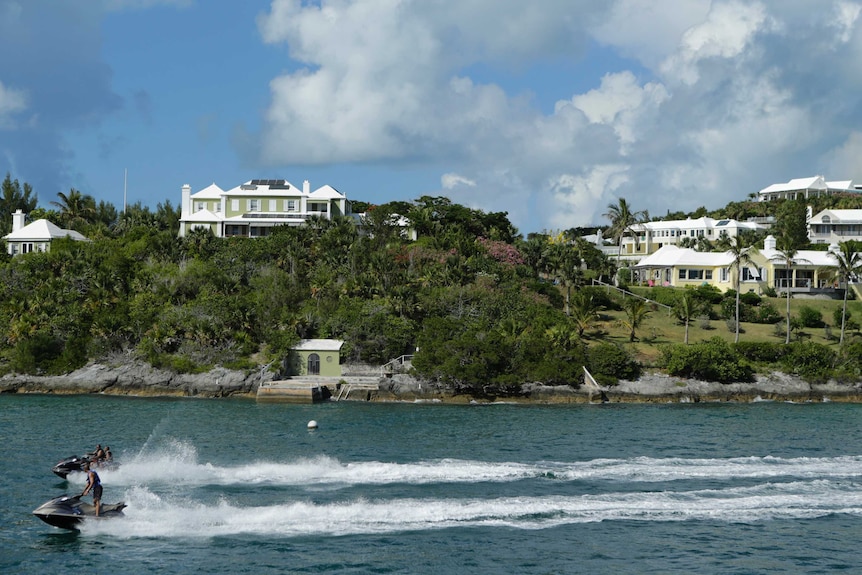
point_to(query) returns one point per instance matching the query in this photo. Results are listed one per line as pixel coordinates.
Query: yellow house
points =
(672, 266)
(811, 272)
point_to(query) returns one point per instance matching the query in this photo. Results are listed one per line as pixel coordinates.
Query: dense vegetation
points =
(480, 308)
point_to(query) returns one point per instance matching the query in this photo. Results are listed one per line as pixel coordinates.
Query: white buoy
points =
(312, 424)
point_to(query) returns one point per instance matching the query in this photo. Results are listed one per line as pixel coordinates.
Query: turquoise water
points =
(232, 486)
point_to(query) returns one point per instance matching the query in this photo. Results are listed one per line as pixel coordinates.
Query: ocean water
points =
(233, 486)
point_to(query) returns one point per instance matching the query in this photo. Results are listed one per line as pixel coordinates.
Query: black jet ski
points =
(68, 512)
(70, 464)
(75, 463)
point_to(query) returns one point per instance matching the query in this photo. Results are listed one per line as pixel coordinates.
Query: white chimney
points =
(186, 204)
(769, 243)
(17, 220)
(306, 188)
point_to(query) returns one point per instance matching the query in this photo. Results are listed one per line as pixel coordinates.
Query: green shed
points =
(317, 357)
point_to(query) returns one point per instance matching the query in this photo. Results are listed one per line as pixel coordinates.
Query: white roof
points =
(211, 192)
(802, 258)
(42, 230)
(670, 256)
(319, 345)
(703, 222)
(810, 183)
(204, 216)
(326, 192)
(838, 216)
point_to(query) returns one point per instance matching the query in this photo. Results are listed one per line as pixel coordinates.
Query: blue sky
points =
(549, 110)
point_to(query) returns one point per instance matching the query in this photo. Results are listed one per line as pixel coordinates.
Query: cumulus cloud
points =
(708, 114)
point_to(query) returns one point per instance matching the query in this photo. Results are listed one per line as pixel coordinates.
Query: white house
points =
(36, 236)
(252, 209)
(804, 188)
(835, 226)
(652, 236)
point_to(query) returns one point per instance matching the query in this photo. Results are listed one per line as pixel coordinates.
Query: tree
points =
(637, 311)
(792, 233)
(741, 255)
(849, 267)
(622, 220)
(76, 208)
(584, 310)
(687, 307)
(14, 198)
(788, 257)
(791, 227)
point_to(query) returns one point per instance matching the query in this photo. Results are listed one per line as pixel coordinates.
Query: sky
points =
(550, 111)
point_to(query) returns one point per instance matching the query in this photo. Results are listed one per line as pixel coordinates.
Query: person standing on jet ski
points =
(94, 484)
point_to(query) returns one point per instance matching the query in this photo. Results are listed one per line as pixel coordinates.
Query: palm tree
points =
(741, 255)
(849, 266)
(787, 256)
(622, 219)
(584, 310)
(687, 307)
(76, 208)
(636, 312)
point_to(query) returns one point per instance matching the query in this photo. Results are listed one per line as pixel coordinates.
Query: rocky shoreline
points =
(139, 379)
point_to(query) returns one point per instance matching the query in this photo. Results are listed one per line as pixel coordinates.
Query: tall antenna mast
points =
(125, 181)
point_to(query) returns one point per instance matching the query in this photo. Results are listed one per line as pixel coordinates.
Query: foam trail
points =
(179, 466)
(149, 515)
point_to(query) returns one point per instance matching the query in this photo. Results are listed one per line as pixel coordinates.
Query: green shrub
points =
(711, 360)
(810, 317)
(708, 293)
(766, 313)
(750, 298)
(761, 351)
(812, 361)
(663, 295)
(612, 362)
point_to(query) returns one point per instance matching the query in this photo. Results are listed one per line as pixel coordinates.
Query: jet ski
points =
(68, 512)
(76, 463)
(70, 464)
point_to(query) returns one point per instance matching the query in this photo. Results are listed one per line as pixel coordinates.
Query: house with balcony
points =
(805, 188)
(648, 237)
(36, 236)
(810, 273)
(835, 226)
(252, 209)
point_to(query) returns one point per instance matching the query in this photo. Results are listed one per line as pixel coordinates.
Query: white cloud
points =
(11, 102)
(450, 181)
(697, 106)
(619, 102)
(726, 33)
(572, 192)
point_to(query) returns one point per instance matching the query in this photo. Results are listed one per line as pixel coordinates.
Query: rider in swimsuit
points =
(94, 484)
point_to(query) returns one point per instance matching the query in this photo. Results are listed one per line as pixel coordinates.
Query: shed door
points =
(313, 364)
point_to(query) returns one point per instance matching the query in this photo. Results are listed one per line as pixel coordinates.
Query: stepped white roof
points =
(42, 231)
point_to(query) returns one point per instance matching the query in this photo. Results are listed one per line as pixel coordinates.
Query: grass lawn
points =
(661, 327)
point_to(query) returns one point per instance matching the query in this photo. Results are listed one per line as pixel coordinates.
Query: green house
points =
(316, 357)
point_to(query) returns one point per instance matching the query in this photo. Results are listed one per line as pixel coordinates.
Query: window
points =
(234, 205)
(273, 205)
(200, 206)
(254, 205)
(291, 205)
(725, 275)
(750, 275)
